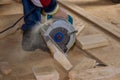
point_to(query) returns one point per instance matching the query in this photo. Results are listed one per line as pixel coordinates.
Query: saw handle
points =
(70, 19)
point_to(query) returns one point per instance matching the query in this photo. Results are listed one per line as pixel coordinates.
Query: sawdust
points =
(33, 39)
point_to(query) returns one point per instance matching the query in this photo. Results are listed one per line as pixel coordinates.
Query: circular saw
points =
(60, 32)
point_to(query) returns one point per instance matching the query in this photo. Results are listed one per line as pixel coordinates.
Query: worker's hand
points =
(61, 14)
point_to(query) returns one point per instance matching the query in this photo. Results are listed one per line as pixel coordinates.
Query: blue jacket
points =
(48, 6)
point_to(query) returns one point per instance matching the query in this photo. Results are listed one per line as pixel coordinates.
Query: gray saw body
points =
(60, 32)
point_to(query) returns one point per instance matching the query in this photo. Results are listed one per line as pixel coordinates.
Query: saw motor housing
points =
(60, 32)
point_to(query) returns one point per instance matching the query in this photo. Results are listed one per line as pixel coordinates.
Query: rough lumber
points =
(102, 73)
(102, 24)
(85, 64)
(92, 41)
(59, 56)
(11, 9)
(4, 2)
(45, 73)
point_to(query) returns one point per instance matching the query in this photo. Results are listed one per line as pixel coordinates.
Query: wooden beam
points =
(101, 73)
(92, 41)
(59, 56)
(101, 23)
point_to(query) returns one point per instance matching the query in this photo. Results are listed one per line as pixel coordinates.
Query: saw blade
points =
(61, 37)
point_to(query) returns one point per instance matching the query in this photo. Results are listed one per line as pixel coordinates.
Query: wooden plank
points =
(4, 2)
(45, 73)
(102, 73)
(8, 17)
(11, 9)
(102, 24)
(92, 41)
(59, 56)
(84, 64)
(7, 21)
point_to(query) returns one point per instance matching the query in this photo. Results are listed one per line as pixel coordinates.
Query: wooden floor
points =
(22, 62)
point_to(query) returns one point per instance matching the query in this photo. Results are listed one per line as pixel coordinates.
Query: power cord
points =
(31, 11)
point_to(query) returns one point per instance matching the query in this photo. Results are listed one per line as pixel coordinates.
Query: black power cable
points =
(31, 11)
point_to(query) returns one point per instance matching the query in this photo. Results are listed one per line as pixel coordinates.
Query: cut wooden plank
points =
(45, 73)
(4, 2)
(59, 56)
(92, 41)
(85, 64)
(102, 24)
(11, 9)
(102, 73)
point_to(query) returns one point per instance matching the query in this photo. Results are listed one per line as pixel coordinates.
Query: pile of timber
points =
(86, 69)
(10, 12)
